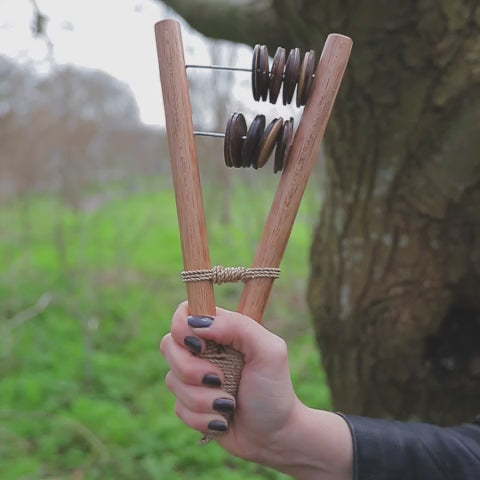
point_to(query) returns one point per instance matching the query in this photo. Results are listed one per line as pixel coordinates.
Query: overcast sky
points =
(116, 36)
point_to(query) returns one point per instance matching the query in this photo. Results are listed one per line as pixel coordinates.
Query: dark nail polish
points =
(217, 426)
(212, 380)
(193, 344)
(199, 321)
(224, 405)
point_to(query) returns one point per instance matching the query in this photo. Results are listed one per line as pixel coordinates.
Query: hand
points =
(270, 425)
(266, 397)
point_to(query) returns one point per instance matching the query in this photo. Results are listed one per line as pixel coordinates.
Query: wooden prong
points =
(304, 151)
(185, 171)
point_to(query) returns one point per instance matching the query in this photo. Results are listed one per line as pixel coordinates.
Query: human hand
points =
(266, 399)
(270, 425)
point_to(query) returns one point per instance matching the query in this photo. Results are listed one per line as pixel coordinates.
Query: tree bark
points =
(395, 260)
(395, 282)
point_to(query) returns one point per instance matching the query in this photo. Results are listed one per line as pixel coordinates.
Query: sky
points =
(115, 36)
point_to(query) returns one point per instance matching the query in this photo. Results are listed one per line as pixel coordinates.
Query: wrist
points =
(314, 444)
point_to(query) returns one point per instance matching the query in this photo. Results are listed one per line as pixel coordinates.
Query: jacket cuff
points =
(390, 450)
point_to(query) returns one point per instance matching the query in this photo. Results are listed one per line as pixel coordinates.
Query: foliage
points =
(85, 297)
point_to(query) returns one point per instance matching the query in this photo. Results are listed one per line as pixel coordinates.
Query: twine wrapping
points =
(231, 362)
(219, 274)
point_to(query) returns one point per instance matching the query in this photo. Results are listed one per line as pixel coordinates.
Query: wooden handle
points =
(304, 151)
(183, 155)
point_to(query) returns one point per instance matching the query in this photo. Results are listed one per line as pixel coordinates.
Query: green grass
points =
(86, 296)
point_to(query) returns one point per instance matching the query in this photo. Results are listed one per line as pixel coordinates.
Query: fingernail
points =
(224, 405)
(193, 344)
(199, 321)
(212, 380)
(218, 426)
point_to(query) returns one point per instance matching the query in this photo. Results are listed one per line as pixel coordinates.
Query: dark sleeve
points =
(388, 450)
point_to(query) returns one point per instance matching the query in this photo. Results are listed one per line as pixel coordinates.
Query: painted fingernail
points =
(217, 426)
(224, 405)
(199, 321)
(212, 380)
(193, 344)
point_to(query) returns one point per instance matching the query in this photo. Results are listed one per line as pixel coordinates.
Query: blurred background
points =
(89, 248)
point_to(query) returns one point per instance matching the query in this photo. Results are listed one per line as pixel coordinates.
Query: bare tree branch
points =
(39, 29)
(31, 312)
(249, 21)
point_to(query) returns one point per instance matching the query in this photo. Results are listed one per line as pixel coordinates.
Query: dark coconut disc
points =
(263, 73)
(255, 67)
(276, 74)
(234, 139)
(292, 70)
(269, 140)
(305, 79)
(284, 144)
(254, 136)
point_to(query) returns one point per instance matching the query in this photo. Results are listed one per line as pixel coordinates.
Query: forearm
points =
(272, 427)
(315, 445)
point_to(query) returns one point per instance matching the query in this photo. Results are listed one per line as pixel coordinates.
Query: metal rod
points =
(220, 67)
(209, 134)
(213, 134)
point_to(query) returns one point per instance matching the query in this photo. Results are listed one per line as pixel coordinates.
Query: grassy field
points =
(86, 294)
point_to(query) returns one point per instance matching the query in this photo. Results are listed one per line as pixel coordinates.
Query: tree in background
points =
(68, 128)
(395, 277)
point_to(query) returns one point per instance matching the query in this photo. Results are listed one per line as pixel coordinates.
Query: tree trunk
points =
(395, 283)
(396, 258)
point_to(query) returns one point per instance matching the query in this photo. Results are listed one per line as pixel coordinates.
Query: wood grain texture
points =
(185, 171)
(304, 151)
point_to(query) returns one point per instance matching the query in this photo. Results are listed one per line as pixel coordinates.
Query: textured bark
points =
(395, 284)
(396, 257)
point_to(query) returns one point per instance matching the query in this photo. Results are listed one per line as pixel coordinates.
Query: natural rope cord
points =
(220, 274)
(227, 358)
(231, 362)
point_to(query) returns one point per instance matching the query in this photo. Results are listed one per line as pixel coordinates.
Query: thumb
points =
(243, 334)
